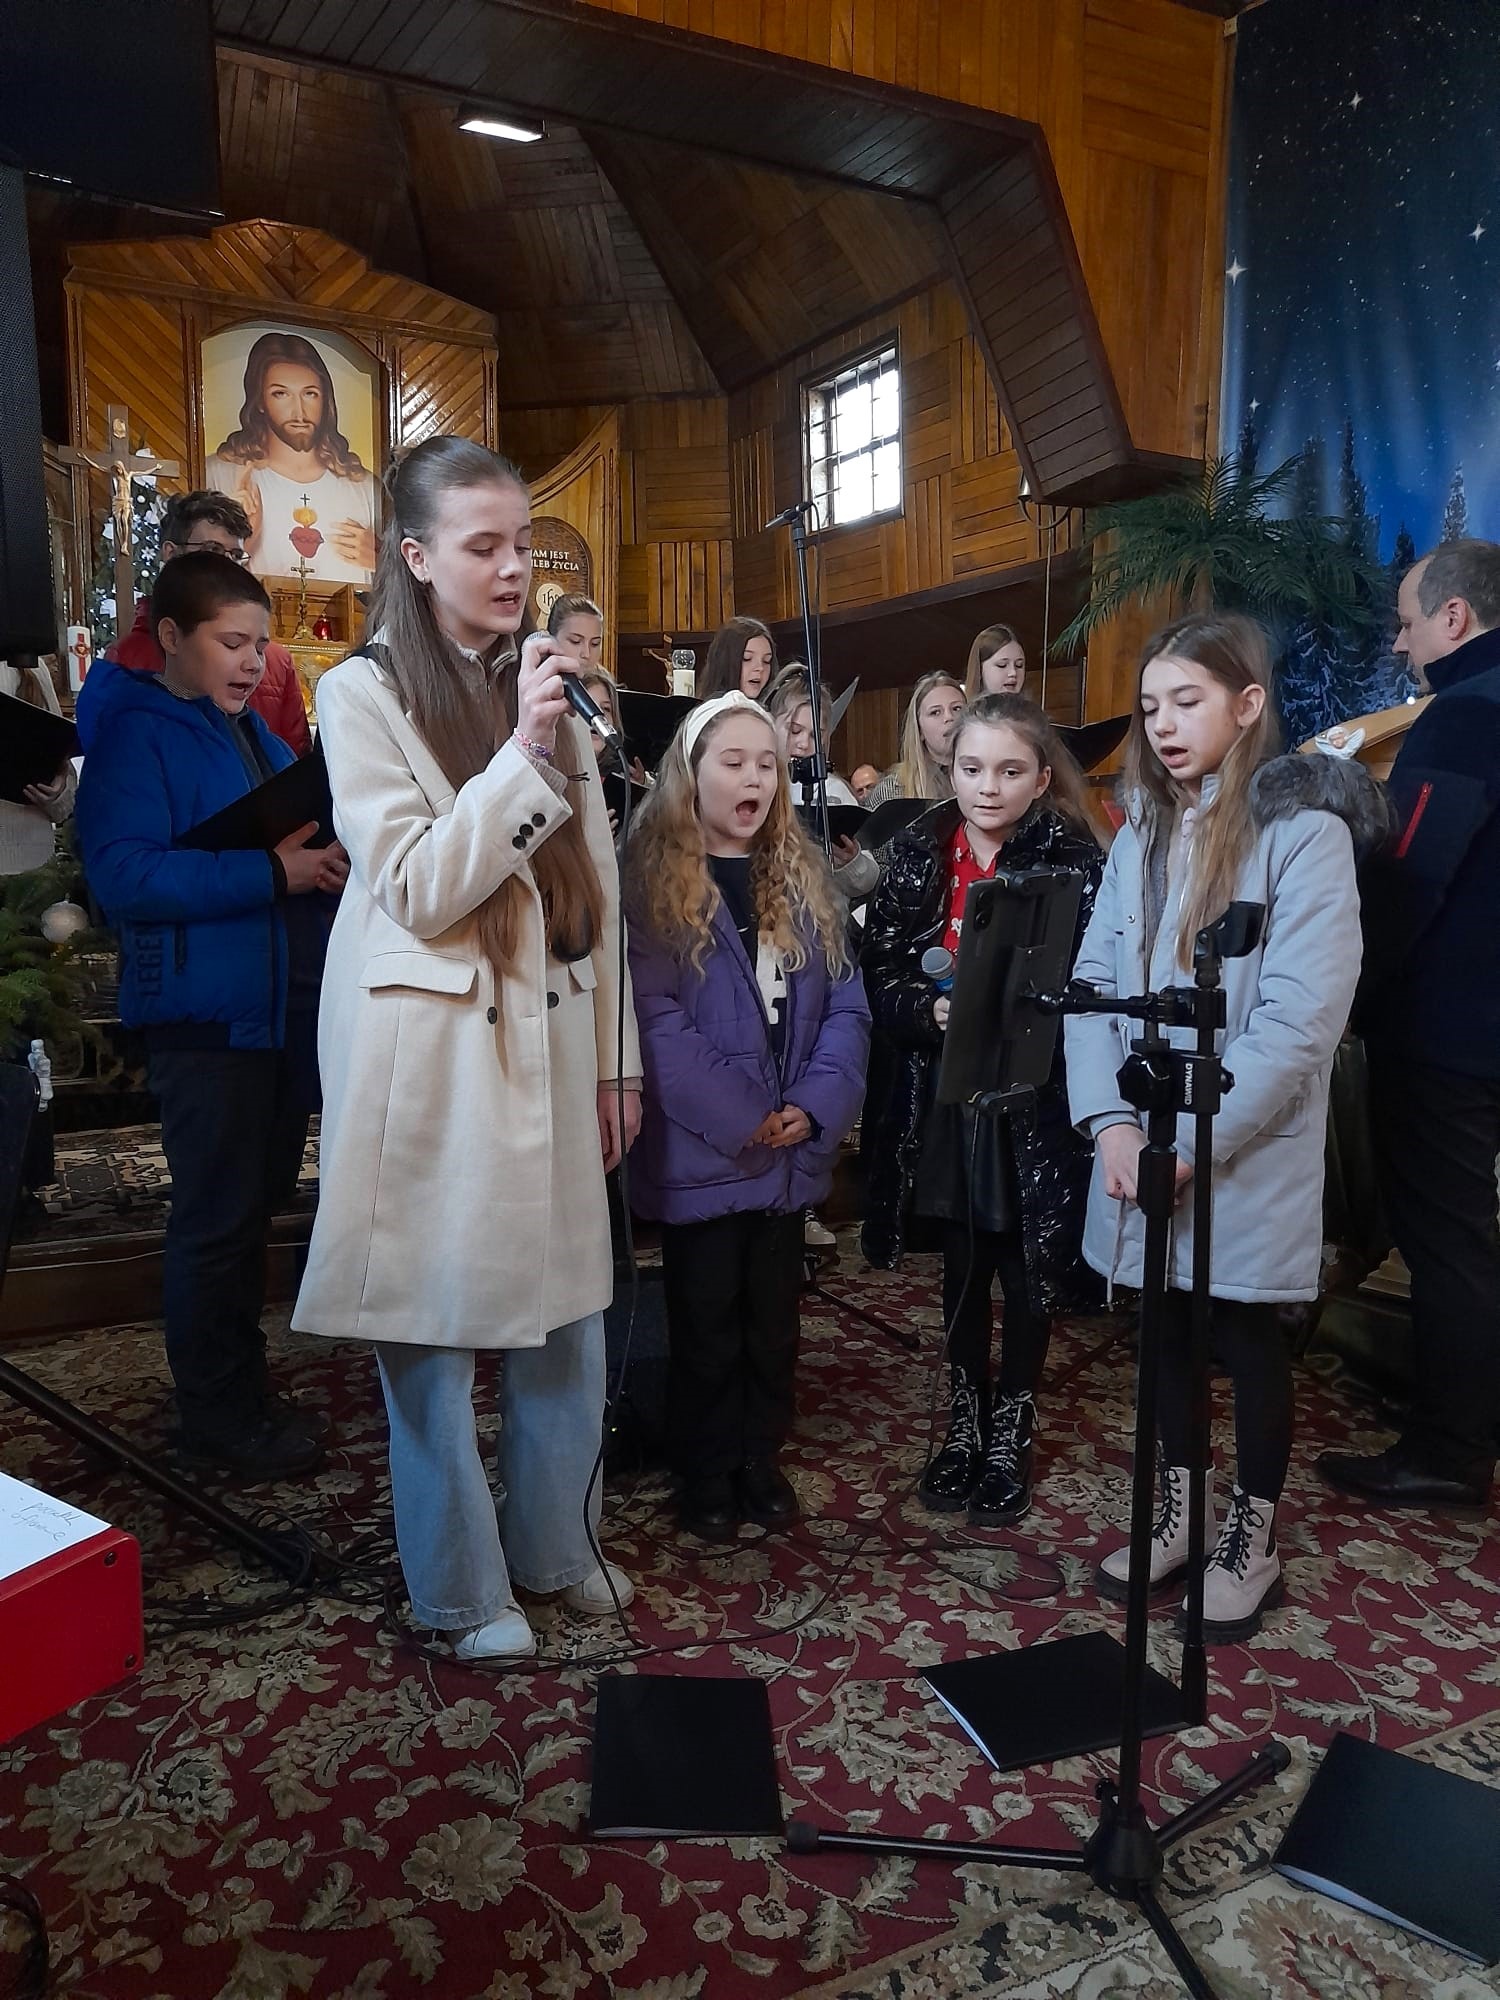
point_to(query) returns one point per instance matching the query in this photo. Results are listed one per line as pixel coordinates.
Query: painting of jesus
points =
(302, 474)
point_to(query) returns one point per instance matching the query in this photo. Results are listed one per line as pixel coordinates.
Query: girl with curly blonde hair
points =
(754, 1035)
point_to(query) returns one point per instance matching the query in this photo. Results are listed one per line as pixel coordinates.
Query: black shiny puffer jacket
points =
(1052, 1161)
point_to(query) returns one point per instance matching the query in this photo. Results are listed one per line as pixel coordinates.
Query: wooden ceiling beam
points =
(982, 183)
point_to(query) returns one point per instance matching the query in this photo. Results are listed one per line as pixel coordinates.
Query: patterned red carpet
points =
(306, 1805)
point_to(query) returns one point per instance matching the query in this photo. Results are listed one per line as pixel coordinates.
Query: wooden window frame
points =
(821, 382)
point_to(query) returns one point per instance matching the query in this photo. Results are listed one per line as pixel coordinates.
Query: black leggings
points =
(1248, 1346)
(1023, 1343)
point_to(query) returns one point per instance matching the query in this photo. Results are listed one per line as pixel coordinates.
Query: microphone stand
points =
(796, 519)
(1125, 1854)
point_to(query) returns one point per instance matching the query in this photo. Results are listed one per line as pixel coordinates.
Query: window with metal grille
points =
(851, 426)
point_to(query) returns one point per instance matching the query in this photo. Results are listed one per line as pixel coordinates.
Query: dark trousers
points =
(1248, 1346)
(967, 1312)
(233, 1127)
(732, 1290)
(1437, 1134)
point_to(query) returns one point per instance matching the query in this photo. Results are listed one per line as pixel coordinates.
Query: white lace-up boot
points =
(1242, 1579)
(1169, 1538)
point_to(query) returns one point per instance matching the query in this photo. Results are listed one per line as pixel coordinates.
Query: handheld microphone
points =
(937, 963)
(587, 709)
(789, 514)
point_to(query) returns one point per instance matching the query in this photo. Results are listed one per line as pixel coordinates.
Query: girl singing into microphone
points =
(1212, 818)
(1019, 802)
(754, 1032)
(470, 1048)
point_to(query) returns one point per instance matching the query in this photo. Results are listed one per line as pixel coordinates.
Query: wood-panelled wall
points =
(1132, 97)
(961, 512)
(584, 491)
(676, 567)
(677, 563)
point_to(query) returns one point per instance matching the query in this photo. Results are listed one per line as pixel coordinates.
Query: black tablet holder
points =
(1006, 1007)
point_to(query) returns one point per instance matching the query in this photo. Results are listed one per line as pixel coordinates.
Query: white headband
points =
(710, 711)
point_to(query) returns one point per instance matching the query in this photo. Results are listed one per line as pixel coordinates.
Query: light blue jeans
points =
(461, 1543)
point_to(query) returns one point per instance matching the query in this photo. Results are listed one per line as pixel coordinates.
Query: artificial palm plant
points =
(1213, 539)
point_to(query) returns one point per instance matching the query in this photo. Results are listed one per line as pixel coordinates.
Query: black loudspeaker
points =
(28, 619)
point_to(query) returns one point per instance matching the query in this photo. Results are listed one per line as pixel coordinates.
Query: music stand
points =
(1125, 1854)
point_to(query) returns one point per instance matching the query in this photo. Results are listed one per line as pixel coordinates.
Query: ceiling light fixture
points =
(500, 125)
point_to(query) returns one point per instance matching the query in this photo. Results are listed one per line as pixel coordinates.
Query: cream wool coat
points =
(462, 1198)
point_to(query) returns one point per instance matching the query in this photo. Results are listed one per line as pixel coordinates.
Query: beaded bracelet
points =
(531, 749)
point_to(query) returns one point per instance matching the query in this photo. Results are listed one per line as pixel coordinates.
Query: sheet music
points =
(35, 1525)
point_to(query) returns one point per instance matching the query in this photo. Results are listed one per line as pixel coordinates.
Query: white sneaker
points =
(817, 1235)
(1242, 1578)
(592, 1596)
(1169, 1538)
(507, 1637)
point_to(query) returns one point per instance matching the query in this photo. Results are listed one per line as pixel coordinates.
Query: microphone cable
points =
(617, 748)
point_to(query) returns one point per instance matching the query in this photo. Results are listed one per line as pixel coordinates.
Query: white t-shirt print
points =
(331, 499)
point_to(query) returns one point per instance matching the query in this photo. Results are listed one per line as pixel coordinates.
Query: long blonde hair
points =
(463, 711)
(1068, 793)
(918, 772)
(986, 644)
(1231, 650)
(670, 888)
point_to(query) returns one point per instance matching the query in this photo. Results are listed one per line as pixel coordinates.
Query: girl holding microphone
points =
(471, 1043)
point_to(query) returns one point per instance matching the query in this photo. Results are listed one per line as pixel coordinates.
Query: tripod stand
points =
(1126, 1852)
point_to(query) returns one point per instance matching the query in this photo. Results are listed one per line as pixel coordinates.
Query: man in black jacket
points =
(1429, 1009)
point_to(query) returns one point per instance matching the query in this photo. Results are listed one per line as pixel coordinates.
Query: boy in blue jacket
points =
(211, 946)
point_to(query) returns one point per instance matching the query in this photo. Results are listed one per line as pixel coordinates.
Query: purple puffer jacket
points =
(711, 1081)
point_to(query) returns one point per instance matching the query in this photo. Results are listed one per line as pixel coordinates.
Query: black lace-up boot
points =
(1003, 1490)
(949, 1480)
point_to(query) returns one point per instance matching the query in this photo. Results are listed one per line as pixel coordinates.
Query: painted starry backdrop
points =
(1363, 308)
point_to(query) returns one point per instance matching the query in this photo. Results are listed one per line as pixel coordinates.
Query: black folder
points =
(886, 821)
(650, 721)
(677, 1756)
(615, 792)
(1092, 742)
(844, 822)
(263, 818)
(1042, 1703)
(1408, 1842)
(34, 746)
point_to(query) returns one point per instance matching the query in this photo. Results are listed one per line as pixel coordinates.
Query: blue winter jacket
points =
(201, 937)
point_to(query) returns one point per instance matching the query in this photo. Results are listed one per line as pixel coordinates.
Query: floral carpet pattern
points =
(115, 1181)
(310, 1803)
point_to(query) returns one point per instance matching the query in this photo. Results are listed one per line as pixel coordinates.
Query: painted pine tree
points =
(1360, 530)
(1456, 513)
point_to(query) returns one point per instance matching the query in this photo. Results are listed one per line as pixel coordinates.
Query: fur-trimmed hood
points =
(1315, 782)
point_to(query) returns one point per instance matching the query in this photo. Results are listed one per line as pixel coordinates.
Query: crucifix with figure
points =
(120, 465)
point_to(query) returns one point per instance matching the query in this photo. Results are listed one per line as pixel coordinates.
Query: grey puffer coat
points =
(1287, 1006)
